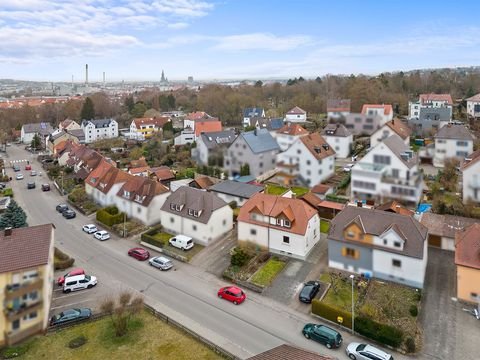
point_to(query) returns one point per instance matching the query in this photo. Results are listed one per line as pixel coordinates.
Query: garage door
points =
(435, 240)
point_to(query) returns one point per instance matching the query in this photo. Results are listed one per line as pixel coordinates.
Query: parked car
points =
(89, 228)
(233, 294)
(357, 351)
(70, 315)
(139, 253)
(102, 235)
(3, 186)
(30, 185)
(28, 167)
(73, 272)
(45, 187)
(69, 214)
(309, 291)
(161, 262)
(182, 242)
(19, 176)
(61, 208)
(323, 334)
(348, 167)
(16, 168)
(79, 282)
(33, 173)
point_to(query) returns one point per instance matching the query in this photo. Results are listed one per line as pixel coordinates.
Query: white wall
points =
(471, 108)
(341, 144)
(450, 148)
(202, 151)
(229, 198)
(284, 141)
(296, 117)
(471, 181)
(383, 133)
(93, 134)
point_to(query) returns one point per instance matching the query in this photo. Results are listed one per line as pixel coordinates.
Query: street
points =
(186, 293)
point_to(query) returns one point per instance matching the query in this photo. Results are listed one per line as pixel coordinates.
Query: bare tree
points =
(122, 310)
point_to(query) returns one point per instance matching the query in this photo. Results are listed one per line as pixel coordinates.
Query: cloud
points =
(262, 41)
(177, 25)
(184, 8)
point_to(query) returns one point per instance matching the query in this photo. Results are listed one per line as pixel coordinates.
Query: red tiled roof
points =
(163, 173)
(139, 170)
(467, 247)
(156, 121)
(138, 163)
(426, 98)
(292, 130)
(387, 109)
(317, 145)
(289, 352)
(475, 98)
(396, 207)
(204, 182)
(400, 128)
(197, 115)
(472, 159)
(207, 126)
(321, 188)
(296, 111)
(331, 205)
(142, 190)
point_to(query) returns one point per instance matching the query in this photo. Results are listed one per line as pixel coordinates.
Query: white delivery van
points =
(79, 282)
(182, 242)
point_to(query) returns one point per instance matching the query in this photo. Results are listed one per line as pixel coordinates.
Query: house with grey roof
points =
(99, 129)
(339, 138)
(429, 120)
(239, 192)
(473, 106)
(249, 113)
(196, 213)
(256, 148)
(210, 147)
(452, 142)
(379, 244)
(42, 129)
(360, 124)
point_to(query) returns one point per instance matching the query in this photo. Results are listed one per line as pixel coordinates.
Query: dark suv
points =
(69, 214)
(46, 187)
(323, 334)
(61, 208)
(309, 291)
(31, 185)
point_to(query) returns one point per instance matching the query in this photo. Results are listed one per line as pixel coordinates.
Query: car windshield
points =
(306, 290)
(361, 347)
(87, 277)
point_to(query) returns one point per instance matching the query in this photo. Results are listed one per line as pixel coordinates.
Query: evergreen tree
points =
(171, 102)
(14, 217)
(36, 142)
(138, 110)
(245, 170)
(88, 110)
(129, 103)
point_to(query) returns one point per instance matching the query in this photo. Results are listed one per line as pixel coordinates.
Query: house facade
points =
(452, 142)
(430, 120)
(396, 126)
(390, 170)
(339, 138)
(195, 125)
(249, 113)
(144, 128)
(430, 101)
(471, 178)
(379, 244)
(28, 131)
(296, 115)
(53, 141)
(26, 280)
(69, 124)
(288, 134)
(467, 261)
(196, 213)
(284, 226)
(104, 182)
(310, 160)
(473, 106)
(384, 111)
(337, 108)
(99, 129)
(360, 124)
(211, 146)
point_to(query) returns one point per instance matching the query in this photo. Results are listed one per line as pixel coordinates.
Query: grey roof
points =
(401, 150)
(99, 123)
(435, 114)
(194, 199)
(57, 135)
(251, 112)
(445, 225)
(276, 123)
(376, 222)
(260, 141)
(336, 130)
(78, 133)
(42, 128)
(236, 188)
(458, 132)
(218, 138)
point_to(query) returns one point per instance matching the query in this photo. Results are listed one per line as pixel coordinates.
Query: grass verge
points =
(265, 275)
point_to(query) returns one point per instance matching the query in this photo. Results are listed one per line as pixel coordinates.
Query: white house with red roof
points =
(196, 124)
(473, 106)
(396, 126)
(429, 101)
(143, 128)
(287, 135)
(296, 115)
(282, 225)
(471, 177)
(384, 111)
(337, 108)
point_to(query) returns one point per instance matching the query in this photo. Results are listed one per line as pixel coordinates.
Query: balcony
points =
(414, 181)
(18, 290)
(284, 165)
(13, 337)
(16, 312)
(372, 171)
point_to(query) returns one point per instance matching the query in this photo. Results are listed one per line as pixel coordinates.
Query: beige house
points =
(467, 260)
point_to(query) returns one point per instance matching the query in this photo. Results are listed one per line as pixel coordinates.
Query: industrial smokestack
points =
(86, 74)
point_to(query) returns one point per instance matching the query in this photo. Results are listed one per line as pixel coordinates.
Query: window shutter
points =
(357, 254)
(344, 251)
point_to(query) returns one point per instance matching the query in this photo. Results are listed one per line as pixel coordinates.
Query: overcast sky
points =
(214, 39)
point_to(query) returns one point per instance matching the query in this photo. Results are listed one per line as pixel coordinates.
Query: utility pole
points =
(353, 307)
(124, 223)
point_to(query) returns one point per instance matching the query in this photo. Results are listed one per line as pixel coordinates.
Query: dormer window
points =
(126, 194)
(397, 244)
(102, 185)
(93, 180)
(279, 222)
(194, 213)
(350, 234)
(287, 223)
(139, 198)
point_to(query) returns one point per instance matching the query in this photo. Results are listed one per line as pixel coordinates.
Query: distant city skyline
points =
(51, 40)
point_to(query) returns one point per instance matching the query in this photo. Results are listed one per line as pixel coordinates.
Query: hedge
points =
(331, 313)
(61, 260)
(336, 198)
(147, 236)
(106, 217)
(382, 333)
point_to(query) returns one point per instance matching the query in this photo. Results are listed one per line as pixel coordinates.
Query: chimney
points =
(393, 121)
(8, 231)
(86, 74)
(359, 204)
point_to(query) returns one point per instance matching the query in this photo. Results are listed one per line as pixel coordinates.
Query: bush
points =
(110, 216)
(61, 260)
(413, 310)
(14, 351)
(233, 204)
(332, 313)
(7, 192)
(149, 236)
(112, 210)
(410, 343)
(382, 333)
(239, 257)
(77, 342)
(336, 198)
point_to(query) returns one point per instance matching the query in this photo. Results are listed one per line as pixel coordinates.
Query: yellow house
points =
(467, 260)
(26, 281)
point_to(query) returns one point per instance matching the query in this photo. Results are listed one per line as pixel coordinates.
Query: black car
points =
(31, 185)
(3, 186)
(46, 187)
(309, 291)
(69, 214)
(70, 315)
(61, 208)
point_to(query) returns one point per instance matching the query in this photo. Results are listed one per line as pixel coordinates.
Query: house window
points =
(224, 222)
(396, 263)
(172, 220)
(350, 234)
(126, 194)
(350, 252)
(16, 324)
(260, 164)
(299, 151)
(286, 240)
(32, 315)
(397, 244)
(194, 227)
(395, 173)
(286, 223)
(279, 222)
(381, 159)
(308, 162)
(139, 210)
(384, 241)
(253, 232)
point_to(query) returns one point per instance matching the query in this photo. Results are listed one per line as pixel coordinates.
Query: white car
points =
(181, 242)
(161, 262)
(102, 235)
(89, 228)
(357, 351)
(348, 167)
(79, 282)
(19, 177)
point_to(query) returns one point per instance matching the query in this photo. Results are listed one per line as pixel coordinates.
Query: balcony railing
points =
(14, 291)
(414, 181)
(16, 312)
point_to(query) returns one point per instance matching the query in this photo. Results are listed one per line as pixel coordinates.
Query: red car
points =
(28, 167)
(233, 294)
(73, 272)
(139, 253)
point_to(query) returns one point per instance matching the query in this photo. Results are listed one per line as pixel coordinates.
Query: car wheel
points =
(235, 302)
(328, 345)
(89, 286)
(351, 356)
(183, 249)
(67, 291)
(306, 335)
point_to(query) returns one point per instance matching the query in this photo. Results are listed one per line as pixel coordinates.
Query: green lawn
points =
(272, 189)
(163, 237)
(343, 298)
(324, 226)
(148, 338)
(265, 275)
(6, 192)
(299, 191)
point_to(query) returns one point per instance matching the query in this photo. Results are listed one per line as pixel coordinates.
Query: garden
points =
(79, 198)
(275, 189)
(118, 222)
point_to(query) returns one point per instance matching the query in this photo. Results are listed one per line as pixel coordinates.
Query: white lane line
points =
(65, 296)
(69, 305)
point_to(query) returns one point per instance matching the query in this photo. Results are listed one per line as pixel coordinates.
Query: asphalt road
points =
(186, 294)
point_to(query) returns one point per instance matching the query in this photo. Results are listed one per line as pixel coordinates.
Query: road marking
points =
(65, 296)
(71, 304)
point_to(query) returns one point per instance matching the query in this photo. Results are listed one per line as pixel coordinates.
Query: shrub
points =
(148, 236)
(112, 210)
(413, 310)
(418, 295)
(239, 257)
(233, 204)
(332, 313)
(382, 333)
(7, 192)
(77, 342)
(106, 217)
(410, 343)
(61, 260)
(336, 198)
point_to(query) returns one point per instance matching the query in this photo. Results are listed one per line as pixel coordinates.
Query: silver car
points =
(161, 262)
(357, 351)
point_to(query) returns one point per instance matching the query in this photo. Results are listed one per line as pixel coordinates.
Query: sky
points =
(51, 40)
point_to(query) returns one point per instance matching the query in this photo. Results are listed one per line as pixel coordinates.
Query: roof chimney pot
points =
(8, 231)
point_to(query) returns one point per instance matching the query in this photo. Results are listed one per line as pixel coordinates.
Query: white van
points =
(79, 282)
(182, 242)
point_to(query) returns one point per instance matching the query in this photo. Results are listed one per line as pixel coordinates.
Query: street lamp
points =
(353, 306)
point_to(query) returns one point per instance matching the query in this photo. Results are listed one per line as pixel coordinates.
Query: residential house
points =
(452, 142)
(467, 260)
(176, 184)
(196, 213)
(289, 352)
(287, 135)
(162, 174)
(211, 146)
(471, 177)
(203, 182)
(430, 101)
(473, 106)
(396, 126)
(249, 113)
(296, 115)
(26, 280)
(195, 125)
(256, 148)
(77, 133)
(385, 112)
(81, 158)
(238, 192)
(339, 138)
(284, 226)
(69, 124)
(146, 127)
(322, 190)
(99, 129)
(28, 131)
(53, 141)
(379, 244)
(337, 108)
(139, 167)
(430, 120)
(310, 160)
(271, 125)
(390, 170)
(442, 229)
(361, 124)
(104, 183)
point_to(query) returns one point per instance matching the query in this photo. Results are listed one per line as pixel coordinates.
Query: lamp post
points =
(124, 223)
(353, 306)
